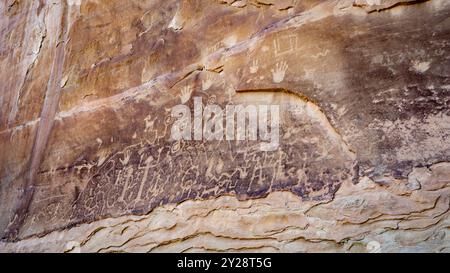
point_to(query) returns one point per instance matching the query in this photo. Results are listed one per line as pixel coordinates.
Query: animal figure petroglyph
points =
(145, 175)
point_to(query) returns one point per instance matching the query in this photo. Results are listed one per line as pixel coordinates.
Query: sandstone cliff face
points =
(87, 162)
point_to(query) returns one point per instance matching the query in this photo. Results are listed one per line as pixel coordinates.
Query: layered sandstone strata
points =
(87, 162)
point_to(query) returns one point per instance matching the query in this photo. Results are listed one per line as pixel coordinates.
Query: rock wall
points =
(88, 88)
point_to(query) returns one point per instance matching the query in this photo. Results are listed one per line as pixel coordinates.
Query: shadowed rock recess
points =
(87, 162)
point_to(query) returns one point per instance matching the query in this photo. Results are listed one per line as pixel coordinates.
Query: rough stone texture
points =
(367, 217)
(86, 160)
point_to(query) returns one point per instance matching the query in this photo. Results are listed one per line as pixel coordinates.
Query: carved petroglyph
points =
(255, 66)
(279, 72)
(382, 81)
(186, 94)
(72, 247)
(285, 45)
(143, 176)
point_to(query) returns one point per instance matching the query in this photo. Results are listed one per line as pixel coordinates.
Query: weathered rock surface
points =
(367, 217)
(87, 88)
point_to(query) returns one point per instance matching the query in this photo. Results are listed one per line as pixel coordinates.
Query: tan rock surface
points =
(85, 152)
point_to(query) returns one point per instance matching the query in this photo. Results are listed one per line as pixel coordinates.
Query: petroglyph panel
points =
(362, 87)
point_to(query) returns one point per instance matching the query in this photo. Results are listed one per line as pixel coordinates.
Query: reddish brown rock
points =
(363, 90)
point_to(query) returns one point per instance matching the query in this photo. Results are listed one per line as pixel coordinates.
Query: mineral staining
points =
(363, 95)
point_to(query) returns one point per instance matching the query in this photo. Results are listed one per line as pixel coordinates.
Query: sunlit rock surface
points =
(87, 162)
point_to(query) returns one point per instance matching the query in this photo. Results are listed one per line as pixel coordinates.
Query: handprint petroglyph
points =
(279, 72)
(285, 45)
(186, 93)
(255, 66)
(207, 82)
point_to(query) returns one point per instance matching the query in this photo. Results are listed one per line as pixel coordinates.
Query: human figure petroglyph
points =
(159, 170)
(126, 158)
